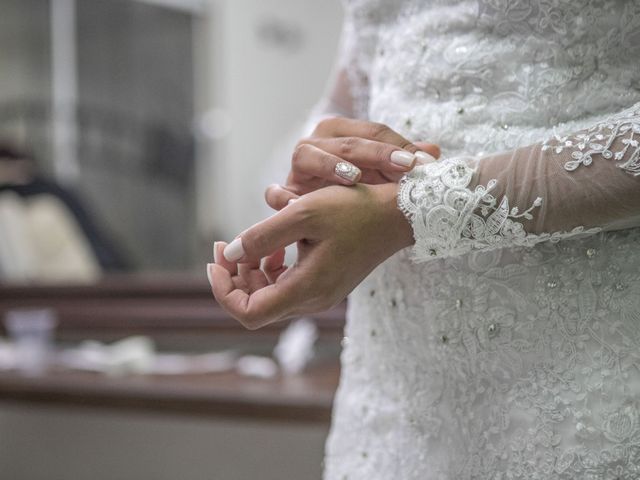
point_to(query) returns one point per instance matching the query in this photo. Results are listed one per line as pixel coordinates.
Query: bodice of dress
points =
(513, 363)
(478, 76)
(509, 364)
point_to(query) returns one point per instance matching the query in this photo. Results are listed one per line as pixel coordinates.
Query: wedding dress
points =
(506, 343)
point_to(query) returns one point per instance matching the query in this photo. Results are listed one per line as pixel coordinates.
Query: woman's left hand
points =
(342, 233)
(346, 151)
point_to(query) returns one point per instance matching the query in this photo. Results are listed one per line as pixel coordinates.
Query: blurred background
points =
(133, 133)
(161, 116)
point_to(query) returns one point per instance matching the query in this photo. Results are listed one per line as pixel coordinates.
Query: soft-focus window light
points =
(215, 124)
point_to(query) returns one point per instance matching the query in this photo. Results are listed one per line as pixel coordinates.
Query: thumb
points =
(431, 148)
(278, 197)
(266, 237)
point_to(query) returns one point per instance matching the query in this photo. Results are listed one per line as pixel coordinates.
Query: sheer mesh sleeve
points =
(566, 186)
(347, 93)
(338, 98)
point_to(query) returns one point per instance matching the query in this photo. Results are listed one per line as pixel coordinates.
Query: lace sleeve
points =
(347, 93)
(344, 91)
(566, 186)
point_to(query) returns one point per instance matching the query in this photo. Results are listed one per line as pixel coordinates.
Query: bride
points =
(493, 329)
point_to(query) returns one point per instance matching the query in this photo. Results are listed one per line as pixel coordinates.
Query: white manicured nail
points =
(215, 252)
(234, 251)
(402, 158)
(424, 157)
(347, 171)
(209, 274)
(291, 200)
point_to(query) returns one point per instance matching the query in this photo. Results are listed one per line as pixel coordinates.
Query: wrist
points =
(397, 224)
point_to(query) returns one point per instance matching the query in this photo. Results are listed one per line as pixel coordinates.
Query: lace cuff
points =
(450, 219)
(589, 180)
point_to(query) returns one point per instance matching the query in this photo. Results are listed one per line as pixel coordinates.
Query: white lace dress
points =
(506, 343)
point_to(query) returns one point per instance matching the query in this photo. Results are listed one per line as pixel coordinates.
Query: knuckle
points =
(252, 242)
(382, 152)
(304, 141)
(258, 244)
(299, 153)
(326, 124)
(304, 212)
(408, 146)
(269, 192)
(305, 216)
(347, 146)
(378, 130)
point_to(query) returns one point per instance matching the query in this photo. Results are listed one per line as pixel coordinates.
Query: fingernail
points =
(402, 158)
(347, 171)
(234, 251)
(209, 274)
(424, 157)
(215, 252)
(291, 200)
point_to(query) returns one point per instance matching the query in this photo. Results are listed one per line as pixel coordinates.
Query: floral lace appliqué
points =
(511, 363)
(450, 219)
(599, 139)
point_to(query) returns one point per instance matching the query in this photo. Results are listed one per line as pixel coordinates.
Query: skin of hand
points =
(377, 153)
(342, 234)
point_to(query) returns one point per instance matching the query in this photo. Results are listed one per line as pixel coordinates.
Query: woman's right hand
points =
(341, 233)
(345, 151)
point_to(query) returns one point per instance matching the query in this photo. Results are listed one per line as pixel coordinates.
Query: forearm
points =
(395, 221)
(573, 185)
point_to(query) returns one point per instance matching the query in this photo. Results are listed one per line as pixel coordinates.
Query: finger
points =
(253, 310)
(240, 284)
(310, 161)
(278, 197)
(365, 153)
(218, 258)
(251, 275)
(225, 291)
(264, 238)
(430, 148)
(221, 282)
(350, 127)
(273, 265)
